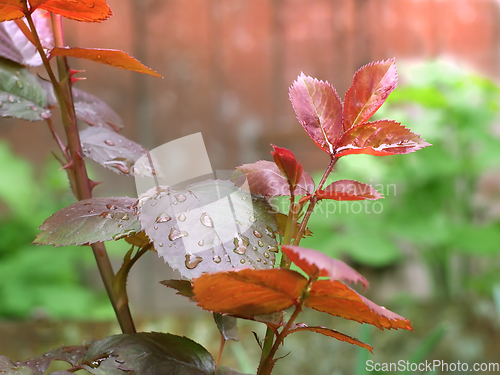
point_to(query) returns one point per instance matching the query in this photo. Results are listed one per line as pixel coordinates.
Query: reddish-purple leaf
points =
(247, 293)
(90, 220)
(118, 59)
(318, 109)
(78, 10)
(348, 190)
(287, 164)
(15, 46)
(332, 333)
(317, 264)
(336, 298)
(384, 137)
(11, 10)
(264, 178)
(371, 86)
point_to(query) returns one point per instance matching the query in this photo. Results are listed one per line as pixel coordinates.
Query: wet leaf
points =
(11, 10)
(384, 137)
(247, 293)
(16, 47)
(228, 326)
(148, 353)
(91, 220)
(287, 164)
(317, 264)
(348, 190)
(209, 226)
(70, 354)
(95, 112)
(8, 367)
(78, 10)
(118, 59)
(336, 298)
(318, 109)
(21, 95)
(183, 287)
(371, 86)
(110, 149)
(264, 178)
(281, 219)
(332, 333)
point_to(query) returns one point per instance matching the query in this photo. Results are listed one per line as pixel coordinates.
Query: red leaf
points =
(11, 10)
(318, 109)
(264, 178)
(287, 164)
(118, 59)
(247, 293)
(371, 86)
(348, 190)
(332, 333)
(317, 264)
(336, 298)
(384, 137)
(78, 10)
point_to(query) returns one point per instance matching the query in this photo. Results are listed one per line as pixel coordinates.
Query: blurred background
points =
(431, 249)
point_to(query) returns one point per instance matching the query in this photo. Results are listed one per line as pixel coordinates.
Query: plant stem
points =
(76, 166)
(313, 202)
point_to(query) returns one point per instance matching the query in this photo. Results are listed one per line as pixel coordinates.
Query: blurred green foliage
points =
(431, 206)
(40, 281)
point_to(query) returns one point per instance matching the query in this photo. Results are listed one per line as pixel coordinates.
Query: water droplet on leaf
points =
(242, 261)
(160, 244)
(257, 234)
(217, 259)
(105, 215)
(182, 217)
(180, 197)
(201, 243)
(273, 249)
(111, 207)
(125, 217)
(206, 220)
(175, 234)
(260, 243)
(270, 232)
(109, 142)
(266, 254)
(192, 261)
(163, 218)
(11, 99)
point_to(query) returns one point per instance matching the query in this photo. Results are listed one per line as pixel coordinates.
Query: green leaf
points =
(111, 150)
(228, 326)
(210, 226)
(21, 95)
(148, 353)
(91, 220)
(8, 367)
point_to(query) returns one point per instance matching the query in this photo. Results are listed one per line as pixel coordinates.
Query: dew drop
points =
(111, 207)
(257, 234)
(201, 243)
(122, 168)
(175, 203)
(255, 248)
(206, 220)
(270, 232)
(11, 99)
(45, 115)
(175, 234)
(163, 218)
(192, 261)
(182, 217)
(252, 219)
(259, 260)
(87, 204)
(266, 254)
(260, 243)
(180, 197)
(244, 198)
(240, 250)
(264, 262)
(217, 259)
(109, 142)
(91, 211)
(19, 84)
(33, 108)
(105, 215)
(272, 249)
(120, 225)
(155, 227)
(125, 217)
(98, 56)
(160, 244)
(242, 261)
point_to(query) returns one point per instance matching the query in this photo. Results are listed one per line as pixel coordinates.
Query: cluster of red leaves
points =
(249, 294)
(78, 10)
